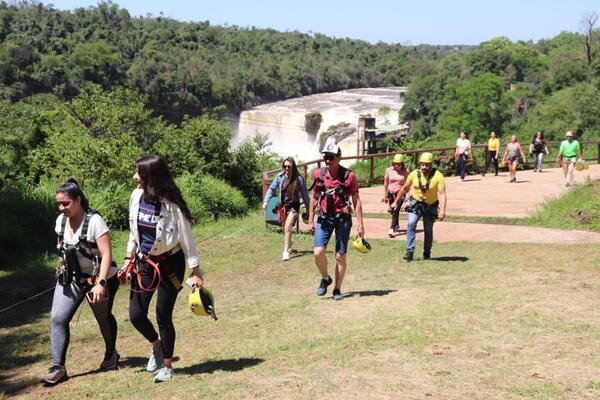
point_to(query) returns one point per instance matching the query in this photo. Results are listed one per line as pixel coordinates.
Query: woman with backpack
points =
(86, 270)
(292, 189)
(160, 246)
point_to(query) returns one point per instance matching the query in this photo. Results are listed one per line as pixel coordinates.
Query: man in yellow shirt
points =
(428, 200)
(491, 153)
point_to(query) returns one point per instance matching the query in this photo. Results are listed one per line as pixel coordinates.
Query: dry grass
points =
(509, 322)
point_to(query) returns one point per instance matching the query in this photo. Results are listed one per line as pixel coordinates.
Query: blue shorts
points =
(325, 227)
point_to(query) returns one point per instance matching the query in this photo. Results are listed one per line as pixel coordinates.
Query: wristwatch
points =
(102, 282)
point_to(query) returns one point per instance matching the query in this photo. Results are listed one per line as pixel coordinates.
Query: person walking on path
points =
(428, 201)
(394, 178)
(462, 154)
(160, 245)
(335, 190)
(491, 153)
(87, 271)
(538, 148)
(291, 188)
(568, 153)
(511, 157)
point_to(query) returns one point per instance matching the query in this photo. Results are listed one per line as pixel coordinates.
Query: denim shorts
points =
(326, 226)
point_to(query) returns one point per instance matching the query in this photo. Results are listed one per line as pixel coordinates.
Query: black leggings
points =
(139, 302)
(490, 158)
(396, 212)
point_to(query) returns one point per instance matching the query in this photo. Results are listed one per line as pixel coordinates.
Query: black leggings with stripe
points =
(139, 302)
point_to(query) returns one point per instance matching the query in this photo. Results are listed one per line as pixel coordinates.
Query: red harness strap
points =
(132, 269)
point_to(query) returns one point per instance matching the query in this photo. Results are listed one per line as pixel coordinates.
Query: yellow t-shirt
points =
(493, 144)
(431, 195)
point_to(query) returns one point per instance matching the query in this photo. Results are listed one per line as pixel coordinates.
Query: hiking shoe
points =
(164, 374)
(110, 362)
(337, 295)
(156, 359)
(56, 374)
(392, 233)
(426, 256)
(285, 256)
(408, 256)
(322, 289)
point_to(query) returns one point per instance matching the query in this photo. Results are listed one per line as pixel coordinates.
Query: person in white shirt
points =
(86, 270)
(462, 154)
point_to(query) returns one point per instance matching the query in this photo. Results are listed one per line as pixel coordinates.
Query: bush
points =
(27, 228)
(112, 203)
(211, 198)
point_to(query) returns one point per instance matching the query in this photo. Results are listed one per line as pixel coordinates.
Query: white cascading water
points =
(283, 121)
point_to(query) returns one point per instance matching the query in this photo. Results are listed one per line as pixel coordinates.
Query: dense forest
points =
(187, 67)
(550, 86)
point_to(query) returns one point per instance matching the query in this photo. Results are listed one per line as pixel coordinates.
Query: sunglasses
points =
(395, 164)
(329, 157)
(63, 203)
(287, 166)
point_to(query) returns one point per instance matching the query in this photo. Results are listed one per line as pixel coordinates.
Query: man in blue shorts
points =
(334, 193)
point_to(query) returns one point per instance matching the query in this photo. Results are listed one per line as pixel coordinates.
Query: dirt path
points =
(491, 196)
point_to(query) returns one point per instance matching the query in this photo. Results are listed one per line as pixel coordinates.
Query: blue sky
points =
(393, 21)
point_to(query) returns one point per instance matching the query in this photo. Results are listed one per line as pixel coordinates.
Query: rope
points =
(26, 300)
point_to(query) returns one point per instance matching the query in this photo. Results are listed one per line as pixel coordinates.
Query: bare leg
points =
(340, 269)
(321, 260)
(288, 229)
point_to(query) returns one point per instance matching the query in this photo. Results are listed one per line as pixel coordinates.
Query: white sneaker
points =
(285, 256)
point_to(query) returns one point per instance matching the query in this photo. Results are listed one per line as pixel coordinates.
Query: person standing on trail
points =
(87, 271)
(291, 188)
(335, 192)
(511, 157)
(394, 178)
(160, 245)
(537, 148)
(568, 153)
(491, 153)
(462, 154)
(428, 201)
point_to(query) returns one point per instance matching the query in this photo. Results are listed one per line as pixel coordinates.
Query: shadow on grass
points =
(11, 386)
(450, 258)
(138, 362)
(367, 293)
(230, 365)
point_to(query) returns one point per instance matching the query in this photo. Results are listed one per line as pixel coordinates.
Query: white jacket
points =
(172, 229)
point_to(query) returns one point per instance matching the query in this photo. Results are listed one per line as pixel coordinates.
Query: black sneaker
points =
(408, 256)
(426, 256)
(322, 289)
(337, 295)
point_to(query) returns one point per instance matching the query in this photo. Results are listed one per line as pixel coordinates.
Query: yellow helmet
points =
(361, 245)
(581, 165)
(398, 159)
(426, 158)
(201, 302)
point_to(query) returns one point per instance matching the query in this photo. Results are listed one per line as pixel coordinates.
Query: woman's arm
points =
(386, 182)
(105, 249)
(188, 245)
(271, 191)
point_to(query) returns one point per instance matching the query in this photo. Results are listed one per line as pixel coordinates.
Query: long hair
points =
(158, 183)
(73, 190)
(291, 186)
(541, 137)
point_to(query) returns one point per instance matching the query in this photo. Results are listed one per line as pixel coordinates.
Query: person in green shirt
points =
(568, 153)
